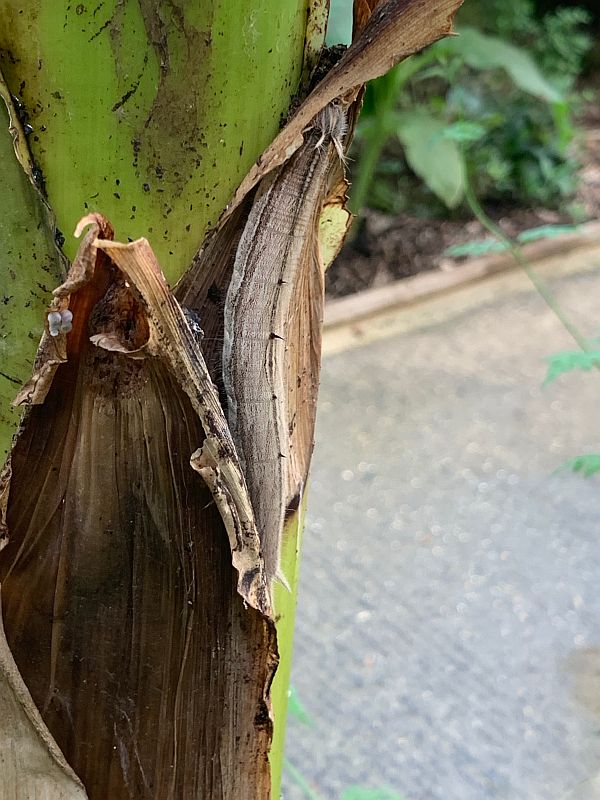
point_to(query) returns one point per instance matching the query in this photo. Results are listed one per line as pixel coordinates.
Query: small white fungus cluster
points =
(60, 322)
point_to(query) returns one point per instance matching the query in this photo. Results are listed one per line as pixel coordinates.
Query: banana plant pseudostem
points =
(164, 364)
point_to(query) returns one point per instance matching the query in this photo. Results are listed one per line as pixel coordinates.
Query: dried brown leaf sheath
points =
(110, 530)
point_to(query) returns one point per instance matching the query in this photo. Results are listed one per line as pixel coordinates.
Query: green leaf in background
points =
(571, 360)
(464, 131)
(545, 232)
(435, 158)
(296, 708)
(588, 465)
(481, 51)
(359, 793)
(481, 247)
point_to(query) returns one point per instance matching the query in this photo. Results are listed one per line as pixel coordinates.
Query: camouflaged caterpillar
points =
(280, 230)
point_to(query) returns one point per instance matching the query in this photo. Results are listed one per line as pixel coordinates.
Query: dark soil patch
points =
(386, 248)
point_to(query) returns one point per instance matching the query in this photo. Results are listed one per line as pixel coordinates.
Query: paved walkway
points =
(448, 640)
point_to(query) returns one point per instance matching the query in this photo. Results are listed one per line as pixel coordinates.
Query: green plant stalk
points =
(285, 614)
(148, 111)
(389, 87)
(367, 165)
(516, 252)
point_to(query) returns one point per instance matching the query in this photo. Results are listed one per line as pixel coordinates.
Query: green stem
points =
(516, 252)
(369, 159)
(301, 781)
(387, 96)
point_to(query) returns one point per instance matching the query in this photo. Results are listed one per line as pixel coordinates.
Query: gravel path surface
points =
(448, 639)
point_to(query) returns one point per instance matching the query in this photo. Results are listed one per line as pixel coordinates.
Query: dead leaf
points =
(362, 10)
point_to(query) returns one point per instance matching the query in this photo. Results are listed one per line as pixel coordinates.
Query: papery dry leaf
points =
(361, 12)
(304, 327)
(272, 416)
(204, 288)
(52, 351)
(217, 460)
(170, 338)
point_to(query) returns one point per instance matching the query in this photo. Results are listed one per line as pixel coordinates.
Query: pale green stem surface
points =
(285, 614)
(151, 113)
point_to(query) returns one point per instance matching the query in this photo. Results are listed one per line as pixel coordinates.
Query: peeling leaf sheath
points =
(216, 460)
(52, 351)
(118, 564)
(171, 340)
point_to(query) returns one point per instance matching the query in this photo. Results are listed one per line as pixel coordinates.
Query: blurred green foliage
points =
(481, 247)
(496, 102)
(587, 465)
(558, 40)
(567, 361)
(296, 707)
(360, 793)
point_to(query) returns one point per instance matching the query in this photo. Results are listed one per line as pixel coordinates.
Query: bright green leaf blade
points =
(588, 465)
(359, 793)
(570, 360)
(481, 52)
(433, 157)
